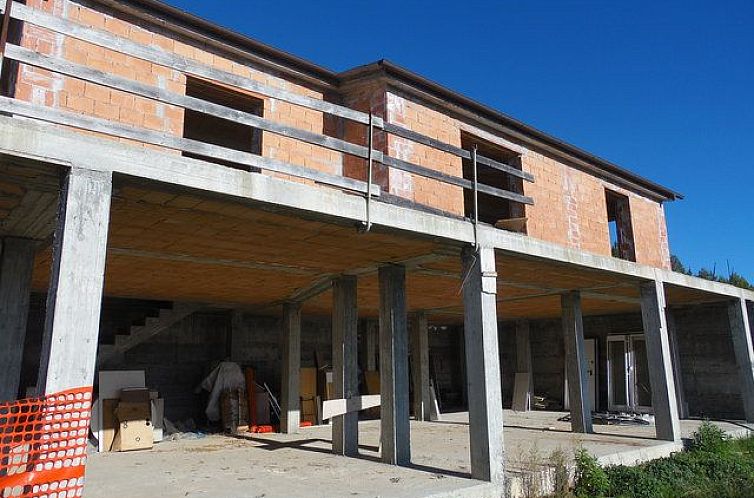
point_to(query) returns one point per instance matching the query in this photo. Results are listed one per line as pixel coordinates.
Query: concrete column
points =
(483, 364)
(395, 432)
(683, 408)
(372, 344)
(345, 320)
(742, 345)
(74, 301)
(523, 353)
(16, 264)
(659, 360)
(290, 411)
(576, 367)
(420, 367)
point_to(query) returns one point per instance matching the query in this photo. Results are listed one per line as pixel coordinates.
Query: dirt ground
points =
(301, 465)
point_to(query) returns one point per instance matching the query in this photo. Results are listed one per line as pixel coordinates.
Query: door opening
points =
(628, 386)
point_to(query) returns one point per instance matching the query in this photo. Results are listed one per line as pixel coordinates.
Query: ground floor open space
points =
(303, 465)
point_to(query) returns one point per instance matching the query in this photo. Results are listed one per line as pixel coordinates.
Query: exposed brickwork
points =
(569, 204)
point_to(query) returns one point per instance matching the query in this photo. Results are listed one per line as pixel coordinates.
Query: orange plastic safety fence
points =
(43, 445)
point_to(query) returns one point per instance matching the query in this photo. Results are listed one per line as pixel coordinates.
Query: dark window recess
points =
(620, 229)
(502, 213)
(217, 131)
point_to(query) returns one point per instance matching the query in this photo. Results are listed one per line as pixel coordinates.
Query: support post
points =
(420, 366)
(483, 364)
(290, 411)
(345, 429)
(74, 301)
(659, 360)
(16, 264)
(576, 367)
(394, 422)
(742, 345)
(372, 343)
(523, 355)
(683, 407)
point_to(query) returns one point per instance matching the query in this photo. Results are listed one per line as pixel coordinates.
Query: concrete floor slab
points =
(281, 465)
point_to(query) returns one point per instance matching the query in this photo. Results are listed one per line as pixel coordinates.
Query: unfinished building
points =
(173, 195)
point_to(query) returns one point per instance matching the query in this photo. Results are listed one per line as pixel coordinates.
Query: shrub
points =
(591, 479)
(710, 438)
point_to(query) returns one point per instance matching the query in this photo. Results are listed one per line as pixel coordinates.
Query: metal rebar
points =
(370, 167)
(476, 197)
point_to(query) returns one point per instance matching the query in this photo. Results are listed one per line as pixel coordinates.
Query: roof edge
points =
(384, 67)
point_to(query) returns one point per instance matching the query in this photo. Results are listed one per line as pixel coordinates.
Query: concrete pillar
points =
(372, 344)
(742, 345)
(523, 353)
(16, 264)
(290, 410)
(74, 301)
(659, 360)
(683, 407)
(483, 364)
(395, 432)
(345, 318)
(576, 367)
(420, 367)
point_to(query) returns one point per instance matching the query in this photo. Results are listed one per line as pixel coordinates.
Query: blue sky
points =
(665, 89)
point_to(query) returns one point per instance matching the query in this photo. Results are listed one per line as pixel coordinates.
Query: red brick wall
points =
(74, 95)
(569, 204)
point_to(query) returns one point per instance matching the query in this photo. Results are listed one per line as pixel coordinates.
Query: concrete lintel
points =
(74, 301)
(52, 144)
(742, 345)
(483, 365)
(667, 423)
(290, 410)
(345, 321)
(394, 423)
(576, 367)
(420, 366)
(16, 264)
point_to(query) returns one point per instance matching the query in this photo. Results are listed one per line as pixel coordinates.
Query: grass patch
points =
(715, 466)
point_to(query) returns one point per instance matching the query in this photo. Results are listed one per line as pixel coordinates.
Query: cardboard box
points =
(135, 395)
(130, 411)
(134, 435)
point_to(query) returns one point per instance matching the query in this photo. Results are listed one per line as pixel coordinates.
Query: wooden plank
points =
(67, 68)
(160, 57)
(452, 149)
(27, 56)
(338, 407)
(453, 180)
(183, 144)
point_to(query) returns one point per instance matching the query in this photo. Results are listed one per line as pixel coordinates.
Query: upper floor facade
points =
(148, 75)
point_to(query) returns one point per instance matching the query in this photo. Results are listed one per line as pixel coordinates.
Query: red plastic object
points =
(43, 445)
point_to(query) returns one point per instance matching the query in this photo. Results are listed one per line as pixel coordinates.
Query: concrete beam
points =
(74, 301)
(483, 365)
(395, 435)
(664, 402)
(420, 366)
(49, 143)
(576, 367)
(345, 321)
(16, 264)
(290, 410)
(742, 345)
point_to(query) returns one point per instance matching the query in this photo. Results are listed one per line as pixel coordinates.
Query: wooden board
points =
(109, 424)
(336, 407)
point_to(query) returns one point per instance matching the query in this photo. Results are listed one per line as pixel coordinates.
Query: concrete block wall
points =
(710, 374)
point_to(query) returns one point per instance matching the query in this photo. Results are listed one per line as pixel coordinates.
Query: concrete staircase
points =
(138, 334)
